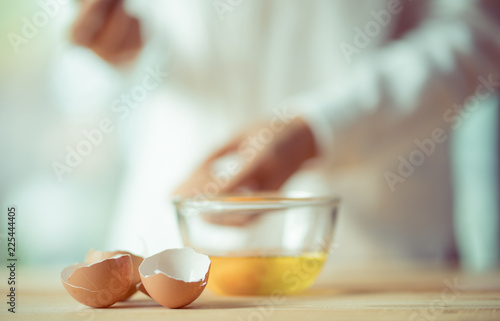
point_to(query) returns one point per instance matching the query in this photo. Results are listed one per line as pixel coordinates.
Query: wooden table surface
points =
(340, 294)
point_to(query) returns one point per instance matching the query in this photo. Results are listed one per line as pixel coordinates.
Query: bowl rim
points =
(265, 200)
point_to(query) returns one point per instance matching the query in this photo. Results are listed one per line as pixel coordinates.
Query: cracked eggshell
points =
(96, 256)
(174, 278)
(99, 284)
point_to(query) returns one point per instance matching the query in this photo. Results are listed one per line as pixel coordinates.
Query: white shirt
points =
(367, 96)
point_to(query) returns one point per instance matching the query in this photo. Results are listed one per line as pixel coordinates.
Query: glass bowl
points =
(259, 244)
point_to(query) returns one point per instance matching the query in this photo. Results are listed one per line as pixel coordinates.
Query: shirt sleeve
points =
(408, 88)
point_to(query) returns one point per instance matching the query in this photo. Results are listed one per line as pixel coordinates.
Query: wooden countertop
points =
(340, 294)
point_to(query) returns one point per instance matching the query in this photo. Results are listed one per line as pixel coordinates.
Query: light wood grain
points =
(340, 294)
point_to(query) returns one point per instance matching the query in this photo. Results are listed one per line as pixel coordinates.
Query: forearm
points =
(412, 86)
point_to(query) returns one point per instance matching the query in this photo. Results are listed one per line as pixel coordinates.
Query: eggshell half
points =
(96, 256)
(100, 284)
(174, 278)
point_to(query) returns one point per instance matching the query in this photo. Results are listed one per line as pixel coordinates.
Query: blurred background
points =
(51, 90)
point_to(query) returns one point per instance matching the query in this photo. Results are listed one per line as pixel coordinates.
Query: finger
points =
(274, 173)
(264, 173)
(205, 173)
(113, 34)
(91, 18)
(129, 47)
(246, 188)
(202, 180)
(273, 182)
(232, 219)
(196, 182)
(226, 149)
(133, 40)
(247, 178)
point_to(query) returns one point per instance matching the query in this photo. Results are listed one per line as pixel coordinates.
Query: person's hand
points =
(105, 27)
(259, 159)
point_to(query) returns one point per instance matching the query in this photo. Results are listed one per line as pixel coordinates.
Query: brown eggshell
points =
(96, 256)
(100, 284)
(174, 278)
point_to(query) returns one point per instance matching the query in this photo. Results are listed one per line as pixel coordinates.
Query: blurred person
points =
(355, 98)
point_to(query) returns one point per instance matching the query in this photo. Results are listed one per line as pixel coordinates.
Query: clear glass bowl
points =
(260, 244)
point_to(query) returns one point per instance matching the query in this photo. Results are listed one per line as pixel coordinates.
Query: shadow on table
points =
(210, 301)
(222, 303)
